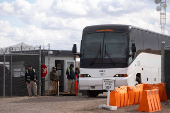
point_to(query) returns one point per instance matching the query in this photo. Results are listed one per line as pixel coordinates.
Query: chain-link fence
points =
(14, 62)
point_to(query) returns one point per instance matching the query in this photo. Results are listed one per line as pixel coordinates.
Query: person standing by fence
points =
(53, 79)
(31, 79)
(70, 76)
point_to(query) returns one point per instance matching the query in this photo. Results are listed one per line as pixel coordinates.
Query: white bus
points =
(127, 54)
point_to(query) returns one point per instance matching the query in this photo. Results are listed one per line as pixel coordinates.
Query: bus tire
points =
(138, 80)
(92, 93)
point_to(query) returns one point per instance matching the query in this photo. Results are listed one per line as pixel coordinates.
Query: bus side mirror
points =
(133, 48)
(74, 49)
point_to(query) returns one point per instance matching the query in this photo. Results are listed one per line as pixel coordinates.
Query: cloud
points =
(43, 5)
(72, 7)
(120, 7)
(60, 22)
(6, 7)
(111, 8)
(36, 36)
(22, 7)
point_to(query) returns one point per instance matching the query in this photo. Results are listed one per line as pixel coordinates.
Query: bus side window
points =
(130, 52)
(138, 39)
(154, 43)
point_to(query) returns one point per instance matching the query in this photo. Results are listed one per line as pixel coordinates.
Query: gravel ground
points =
(63, 104)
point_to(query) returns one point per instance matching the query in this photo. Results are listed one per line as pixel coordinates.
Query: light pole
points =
(162, 9)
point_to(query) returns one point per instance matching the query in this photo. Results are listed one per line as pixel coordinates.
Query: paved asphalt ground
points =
(63, 104)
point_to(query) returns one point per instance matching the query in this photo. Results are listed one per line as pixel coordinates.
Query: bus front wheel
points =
(91, 93)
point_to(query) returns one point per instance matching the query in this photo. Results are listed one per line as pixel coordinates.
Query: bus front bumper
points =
(89, 83)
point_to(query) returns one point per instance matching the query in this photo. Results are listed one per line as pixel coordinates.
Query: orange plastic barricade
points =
(161, 87)
(140, 88)
(157, 99)
(162, 91)
(136, 90)
(164, 94)
(148, 86)
(131, 95)
(126, 95)
(145, 105)
(115, 98)
(152, 100)
(122, 97)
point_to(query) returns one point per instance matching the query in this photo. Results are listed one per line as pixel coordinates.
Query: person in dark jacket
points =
(31, 79)
(53, 79)
(70, 76)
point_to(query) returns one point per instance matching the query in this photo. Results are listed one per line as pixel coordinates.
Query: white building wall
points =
(52, 64)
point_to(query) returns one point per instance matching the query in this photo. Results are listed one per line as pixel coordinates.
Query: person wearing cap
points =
(31, 79)
(53, 79)
(70, 76)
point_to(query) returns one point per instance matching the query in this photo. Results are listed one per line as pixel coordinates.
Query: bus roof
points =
(114, 27)
(146, 30)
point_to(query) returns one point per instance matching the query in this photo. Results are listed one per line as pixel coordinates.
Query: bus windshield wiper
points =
(99, 53)
(109, 56)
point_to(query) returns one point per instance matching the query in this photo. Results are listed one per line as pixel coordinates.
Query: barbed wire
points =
(19, 49)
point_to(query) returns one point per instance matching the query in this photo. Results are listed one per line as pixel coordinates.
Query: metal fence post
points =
(162, 61)
(48, 69)
(4, 78)
(11, 74)
(40, 71)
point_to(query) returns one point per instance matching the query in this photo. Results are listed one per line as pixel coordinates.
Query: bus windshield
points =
(110, 45)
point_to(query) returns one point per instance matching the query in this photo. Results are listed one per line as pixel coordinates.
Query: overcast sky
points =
(60, 22)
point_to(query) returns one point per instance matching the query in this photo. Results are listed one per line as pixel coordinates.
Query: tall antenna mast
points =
(162, 9)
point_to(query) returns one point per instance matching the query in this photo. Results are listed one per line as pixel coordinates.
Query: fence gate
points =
(14, 62)
(167, 69)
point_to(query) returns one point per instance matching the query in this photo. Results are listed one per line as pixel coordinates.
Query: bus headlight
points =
(120, 75)
(85, 75)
